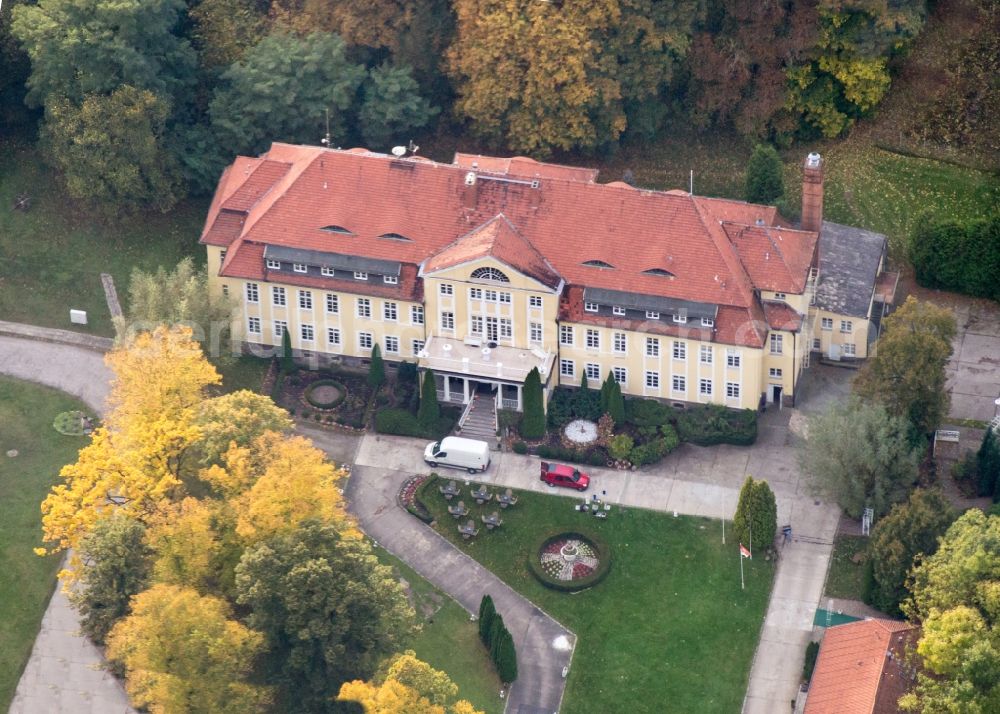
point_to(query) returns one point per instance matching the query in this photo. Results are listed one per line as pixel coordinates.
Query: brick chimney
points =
(470, 191)
(812, 193)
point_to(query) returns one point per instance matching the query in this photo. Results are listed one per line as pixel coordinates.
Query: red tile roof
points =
(499, 239)
(776, 259)
(780, 316)
(856, 662)
(564, 222)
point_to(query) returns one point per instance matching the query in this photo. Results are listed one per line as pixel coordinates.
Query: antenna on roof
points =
(399, 151)
(691, 183)
(325, 141)
(412, 148)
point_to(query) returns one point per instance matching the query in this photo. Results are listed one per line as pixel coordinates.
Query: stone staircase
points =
(480, 421)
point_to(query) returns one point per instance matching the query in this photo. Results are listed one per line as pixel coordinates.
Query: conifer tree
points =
(487, 613)
(376, 370)
(429, 411)
(287, 361)
(506, 658)
(533, 424)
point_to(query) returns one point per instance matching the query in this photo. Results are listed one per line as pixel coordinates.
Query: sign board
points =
(78, 317)
(946, 435)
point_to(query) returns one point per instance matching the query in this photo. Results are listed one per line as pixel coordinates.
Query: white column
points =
(447, 388)
(520, 404)
(465, 390)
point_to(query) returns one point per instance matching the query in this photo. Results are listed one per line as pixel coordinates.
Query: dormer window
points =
(300, 268)
(680, 318)
(360, 275)
(659, 272)
(779, 296)
(273, 264)
(590, 307)
(491, 274)
(617, 310)
(337, 229)
(707, 322)
(390, 279)
(327, 272)
(395, 236)
(652, 315)
(597, 264)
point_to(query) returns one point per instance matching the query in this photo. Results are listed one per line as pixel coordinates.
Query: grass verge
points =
(847, 578)
(26, 581)
(448, 640)
(670, 611)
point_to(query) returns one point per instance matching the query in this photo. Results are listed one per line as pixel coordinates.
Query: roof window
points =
(597, 264)
(336, 229)
(395, 236)
(660, 272)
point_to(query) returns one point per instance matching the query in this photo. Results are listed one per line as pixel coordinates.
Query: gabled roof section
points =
(497, 238)
(524, 168)
(859, 668)
(848, 266)
(261, 180)
(776, 259)
(781, 316)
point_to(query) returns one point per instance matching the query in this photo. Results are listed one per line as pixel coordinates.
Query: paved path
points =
(64, 674)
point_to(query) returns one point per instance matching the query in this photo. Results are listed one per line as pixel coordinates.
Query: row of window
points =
(845, 325)
(498, 296)
(307, 333)
(273, 264)
(390, 310)
(567, 368)
(679, 318)
(592, 340)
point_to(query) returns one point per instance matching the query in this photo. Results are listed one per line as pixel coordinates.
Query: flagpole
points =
(723, 522)
(750, 526)
(742, 584)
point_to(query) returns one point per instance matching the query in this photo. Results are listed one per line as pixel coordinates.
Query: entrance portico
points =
(461, 366)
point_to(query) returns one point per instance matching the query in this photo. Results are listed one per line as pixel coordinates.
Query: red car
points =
(561, 475)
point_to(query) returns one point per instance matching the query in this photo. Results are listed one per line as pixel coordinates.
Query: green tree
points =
(405, 685)
(616, 402)
(429, 412)
(862, 455)
(487, 613)
(907, 373)
(239, 419)
(909, 531)
(110, 150)
(392, 107)
(225, 29)
(328, 611)
(955, 595)
(281, 91)
(988, 465)
(376, 369)
(607, 386)
(533, 424)
(93, 47)
(179, 296)
(117, 564)
(584, 385)
(287, 356)
(756, 518)
(506, 658)
(183, 652)
(764, 181)
(497, 630)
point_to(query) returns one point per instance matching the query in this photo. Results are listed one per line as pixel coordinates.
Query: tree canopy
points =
(863, 455)
(406, 685)
(756, 519)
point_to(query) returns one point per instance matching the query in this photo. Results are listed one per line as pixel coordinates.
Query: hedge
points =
(568, 586)
(420, 500)
(560, 453)
(323, 383)
(403, 423)
(958, 255)
(567, 404)
(710, 424)
(647, 412)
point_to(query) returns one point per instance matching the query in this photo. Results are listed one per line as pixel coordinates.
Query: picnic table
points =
(468, 530)
(506, 499)
(482, 495)
(492, 520)
(449, 490)
(459, 510)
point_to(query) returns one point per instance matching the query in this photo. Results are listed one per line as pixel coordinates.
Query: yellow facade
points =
(848, 336)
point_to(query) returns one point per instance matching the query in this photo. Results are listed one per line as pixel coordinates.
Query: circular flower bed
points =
(570, 561)
(325, 393)
(74, 423)
(581, 431)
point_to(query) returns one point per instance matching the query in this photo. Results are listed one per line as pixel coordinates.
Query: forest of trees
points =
(144, 102)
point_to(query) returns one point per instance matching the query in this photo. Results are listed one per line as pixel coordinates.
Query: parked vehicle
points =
(458, 453)
(562, 475)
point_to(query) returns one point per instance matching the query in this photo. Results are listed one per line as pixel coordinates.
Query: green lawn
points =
(846, 578)
(53, 255)
(26, 415)
(669, 628)
(448, 640)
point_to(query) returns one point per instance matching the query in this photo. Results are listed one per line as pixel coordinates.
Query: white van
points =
(458, 453)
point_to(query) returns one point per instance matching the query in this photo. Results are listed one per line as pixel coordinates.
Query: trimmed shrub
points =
(506, 658)
(421, 496)
(710, 424)
(647, 413)
(533, 422)
(620, 447)
(616, 403)
(520, 447)
(567, 404)
(407, 373)
(961, 256)
(308, 394)
(402, 423)
(376, 368)
(812, 652)
(487, 613)
(287, 362)
(601, 572)
(429, 412)
(596, 458)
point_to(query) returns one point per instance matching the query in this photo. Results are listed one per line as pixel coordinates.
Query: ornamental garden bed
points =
(328, 396)
(668, 609)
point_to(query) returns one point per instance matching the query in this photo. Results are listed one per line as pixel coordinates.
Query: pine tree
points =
(506, 659)
(487, 613)
(616, 402)
(497, 630)
(533, 424)
(756, 518)
(764, 183)
(287, 360)
(988, 465)
(606, 387)
(429, 412)
(376, 370)
(583, 382)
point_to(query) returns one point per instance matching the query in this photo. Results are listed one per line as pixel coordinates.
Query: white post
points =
(520, 405)
(465, 390)
(743, 585)
(447, 388)
(750, 526)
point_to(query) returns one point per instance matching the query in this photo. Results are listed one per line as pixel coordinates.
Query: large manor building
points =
(485, 268)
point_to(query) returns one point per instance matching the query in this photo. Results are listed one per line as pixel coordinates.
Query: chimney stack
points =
(470, 192)
(812, 193)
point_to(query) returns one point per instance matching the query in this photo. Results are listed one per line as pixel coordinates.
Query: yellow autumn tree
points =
(240, 418)
(136, 460)
(183, 654)
(188, 539)
(406, 685)
(295, 482)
